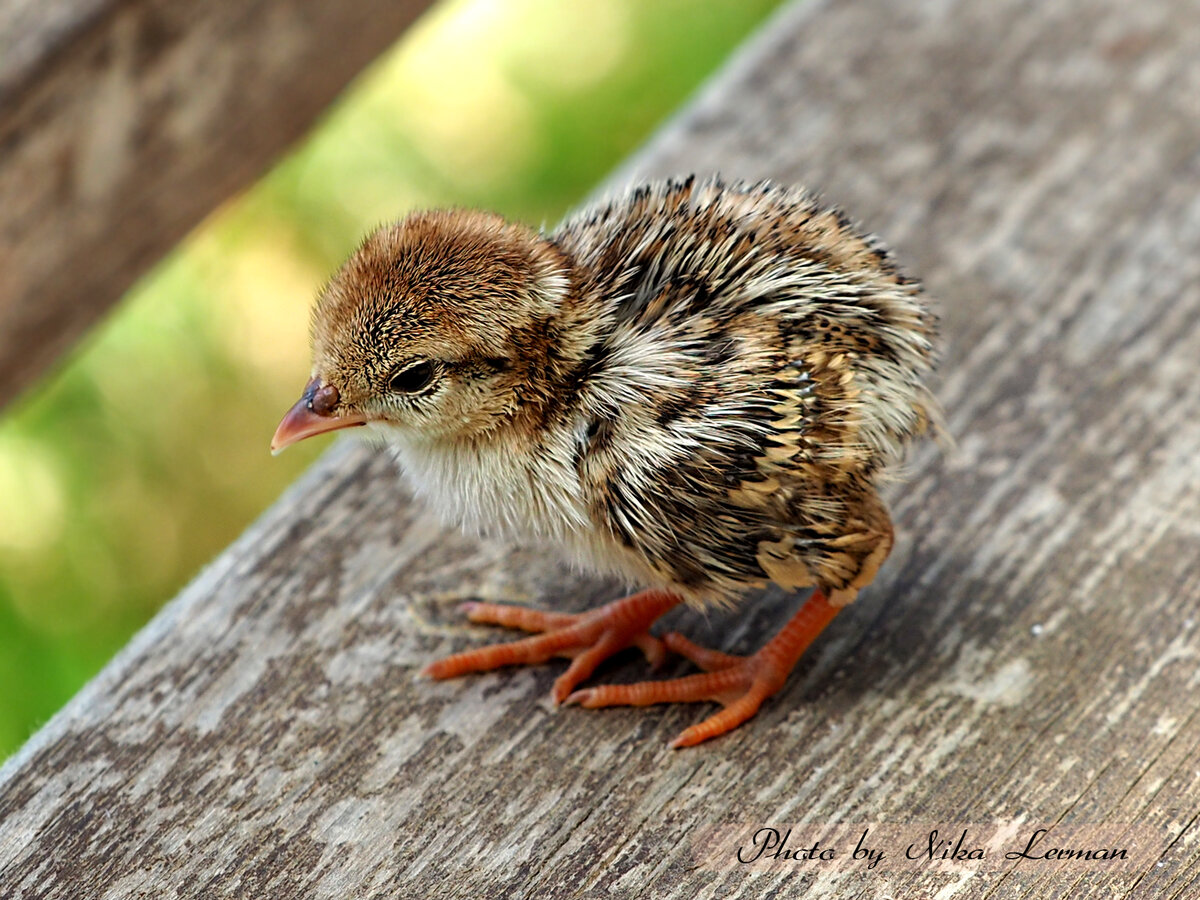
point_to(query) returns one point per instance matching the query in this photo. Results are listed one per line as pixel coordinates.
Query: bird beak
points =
(302, 421)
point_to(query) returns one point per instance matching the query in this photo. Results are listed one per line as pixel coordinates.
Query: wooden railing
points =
(124, 122)
(1029, 654)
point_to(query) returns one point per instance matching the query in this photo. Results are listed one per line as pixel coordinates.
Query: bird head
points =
(440, 326)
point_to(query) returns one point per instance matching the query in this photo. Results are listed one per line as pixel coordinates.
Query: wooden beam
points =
(1029, 654)
(124, 122)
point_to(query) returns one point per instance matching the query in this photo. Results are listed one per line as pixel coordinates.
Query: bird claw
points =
(741, 686)
(587, 639)
(738, 683)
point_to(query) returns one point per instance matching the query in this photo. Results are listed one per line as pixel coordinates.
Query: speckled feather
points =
(695, 386)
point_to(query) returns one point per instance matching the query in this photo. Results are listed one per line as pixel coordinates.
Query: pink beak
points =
(303, 421)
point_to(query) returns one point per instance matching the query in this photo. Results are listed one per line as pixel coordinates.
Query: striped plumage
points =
(794, 352)
(694, 385)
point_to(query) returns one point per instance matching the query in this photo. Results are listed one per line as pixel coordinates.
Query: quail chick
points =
(694, 386)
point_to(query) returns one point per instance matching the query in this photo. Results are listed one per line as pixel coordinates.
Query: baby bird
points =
(695, 386)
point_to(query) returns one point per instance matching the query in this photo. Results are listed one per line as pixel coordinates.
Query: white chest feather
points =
(499, 489)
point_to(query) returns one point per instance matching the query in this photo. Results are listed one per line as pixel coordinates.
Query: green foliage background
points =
(147, 452)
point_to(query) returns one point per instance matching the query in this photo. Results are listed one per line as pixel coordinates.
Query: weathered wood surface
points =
(1030, 653)
(124, 122)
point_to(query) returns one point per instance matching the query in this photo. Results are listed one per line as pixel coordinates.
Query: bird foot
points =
(587, 639)
(739, 683)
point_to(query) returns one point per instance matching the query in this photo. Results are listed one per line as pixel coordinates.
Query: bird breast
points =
(497, 488)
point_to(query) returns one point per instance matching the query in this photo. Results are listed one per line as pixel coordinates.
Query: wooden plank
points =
(124, 122)
(1029, 654)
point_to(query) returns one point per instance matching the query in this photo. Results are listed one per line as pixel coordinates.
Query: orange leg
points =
(587, 639)
(739, 683)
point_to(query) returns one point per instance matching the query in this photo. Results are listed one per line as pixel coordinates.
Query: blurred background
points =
(145, 453)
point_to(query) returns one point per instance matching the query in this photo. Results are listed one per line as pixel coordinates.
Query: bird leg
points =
(739, 683)
(587, 639)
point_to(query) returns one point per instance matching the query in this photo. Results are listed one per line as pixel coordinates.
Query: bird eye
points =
(412, 379)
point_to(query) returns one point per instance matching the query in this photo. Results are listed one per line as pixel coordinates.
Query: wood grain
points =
(1030, 653)
(124, 122)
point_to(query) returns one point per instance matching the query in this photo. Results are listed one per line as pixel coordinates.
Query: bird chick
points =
(694, 386)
